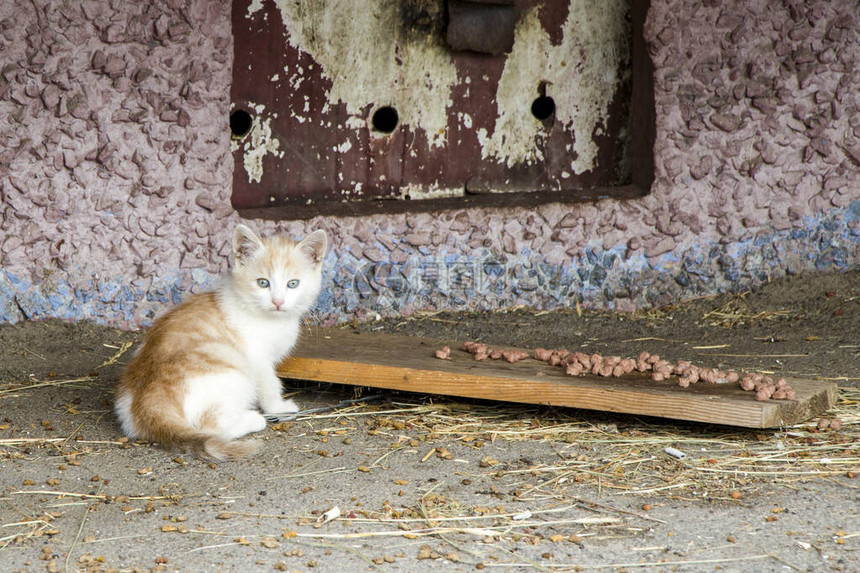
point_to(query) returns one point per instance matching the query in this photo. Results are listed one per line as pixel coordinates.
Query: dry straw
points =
(619, 455)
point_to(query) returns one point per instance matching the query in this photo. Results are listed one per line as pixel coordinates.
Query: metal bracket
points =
(485, 26)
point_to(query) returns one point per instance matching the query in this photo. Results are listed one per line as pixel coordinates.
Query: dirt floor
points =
(427, 483)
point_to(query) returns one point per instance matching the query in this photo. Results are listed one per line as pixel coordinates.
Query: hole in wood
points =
(543, 108)
(384, 120)
(240, 123)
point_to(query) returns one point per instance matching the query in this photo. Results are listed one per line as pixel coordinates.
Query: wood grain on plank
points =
(408, 363)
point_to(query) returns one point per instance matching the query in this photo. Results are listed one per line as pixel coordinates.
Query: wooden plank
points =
(408, 363)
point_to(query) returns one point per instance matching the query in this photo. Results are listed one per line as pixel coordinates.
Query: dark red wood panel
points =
(317, 151)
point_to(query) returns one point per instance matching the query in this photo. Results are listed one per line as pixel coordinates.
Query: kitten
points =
(206, 365)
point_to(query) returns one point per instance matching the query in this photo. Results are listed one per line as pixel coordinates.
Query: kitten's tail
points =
(173, 432)
(218, 449)
(207, 445)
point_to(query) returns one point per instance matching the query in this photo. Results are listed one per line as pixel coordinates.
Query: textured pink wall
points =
(115, 172)
(757, 111)
(114, 156)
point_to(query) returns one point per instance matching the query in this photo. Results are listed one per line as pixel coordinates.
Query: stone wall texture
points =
(116, 170)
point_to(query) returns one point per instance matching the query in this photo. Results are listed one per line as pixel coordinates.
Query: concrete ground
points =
(417, 483)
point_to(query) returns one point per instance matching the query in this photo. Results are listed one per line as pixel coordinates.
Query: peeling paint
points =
(359, 45)
(417, 191)
(582, 90)
(259, 143)
(350, 61)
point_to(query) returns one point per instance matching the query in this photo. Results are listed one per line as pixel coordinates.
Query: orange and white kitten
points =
(207, 365)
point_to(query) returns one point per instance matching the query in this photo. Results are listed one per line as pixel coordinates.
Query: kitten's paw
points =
(252, 422)
(238, 423)
(280, 407)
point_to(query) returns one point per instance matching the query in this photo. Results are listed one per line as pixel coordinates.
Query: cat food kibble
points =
(574, 369)
(578, 363)
(542, 354)
(472, 347)
(481, 351)
(478, 350)
(514, 355)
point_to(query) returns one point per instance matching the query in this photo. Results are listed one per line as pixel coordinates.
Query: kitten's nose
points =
(277, 302)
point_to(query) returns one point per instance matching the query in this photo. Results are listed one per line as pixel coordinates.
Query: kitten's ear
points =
(314, 246)
(245, 244)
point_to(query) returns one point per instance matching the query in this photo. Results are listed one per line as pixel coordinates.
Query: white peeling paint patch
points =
(358, 45)
(483, 138)
(259, 143)
(254, 6)
(580, 75)
(354, 122)
(416, 191)
(357, 191)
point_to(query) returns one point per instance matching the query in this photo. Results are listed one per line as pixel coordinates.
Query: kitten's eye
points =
(263, 283)
(293, 283)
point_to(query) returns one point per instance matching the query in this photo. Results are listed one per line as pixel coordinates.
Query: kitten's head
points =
(276, 275)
